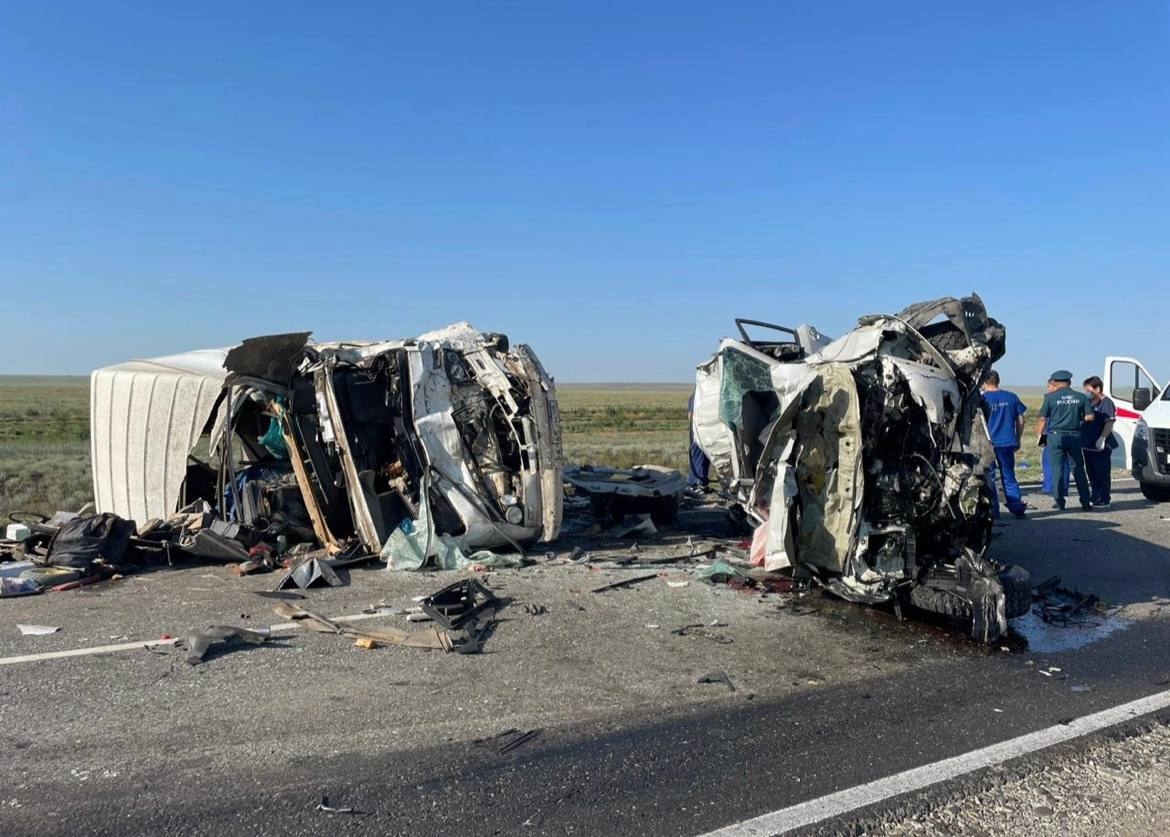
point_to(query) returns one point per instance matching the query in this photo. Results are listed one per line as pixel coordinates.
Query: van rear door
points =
(1122, 376)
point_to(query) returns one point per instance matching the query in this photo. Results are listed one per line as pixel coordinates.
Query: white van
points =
(1143, 423)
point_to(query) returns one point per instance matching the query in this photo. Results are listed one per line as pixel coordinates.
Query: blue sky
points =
(612, 183)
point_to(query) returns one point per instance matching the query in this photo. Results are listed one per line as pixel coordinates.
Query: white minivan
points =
(1143, 423)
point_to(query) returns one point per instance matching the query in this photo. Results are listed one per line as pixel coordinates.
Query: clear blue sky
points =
(610, 182)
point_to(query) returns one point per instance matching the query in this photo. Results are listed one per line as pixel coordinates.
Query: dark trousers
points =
(700, 467)
(1048, 486)
(1097, 464)
(1005, 465)
(1066, 447)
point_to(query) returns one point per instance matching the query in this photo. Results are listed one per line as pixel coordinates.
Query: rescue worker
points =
(1099, 442)
(1061, 415)
(1005, 425)
(1047, 486)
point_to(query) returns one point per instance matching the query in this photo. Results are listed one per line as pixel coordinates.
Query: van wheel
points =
(1017, 591)
(940, 601)
(1156, 493)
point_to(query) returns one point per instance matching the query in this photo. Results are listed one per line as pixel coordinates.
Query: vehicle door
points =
(1123, 376)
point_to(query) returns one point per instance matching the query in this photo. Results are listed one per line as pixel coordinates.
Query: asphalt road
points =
(626, 741)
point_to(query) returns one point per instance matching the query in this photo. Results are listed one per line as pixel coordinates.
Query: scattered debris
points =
(310, 573)
(200, 642)
(37, 630)
(1058, 605)
(467, 609)
(519, 741)
(719, 572)
(324, 806)
(431, 638)
(627, 582)
(508, 740)
(717, 677)
(703, 632)
(649, 490)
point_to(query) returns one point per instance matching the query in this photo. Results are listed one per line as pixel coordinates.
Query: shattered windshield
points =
(742, 374)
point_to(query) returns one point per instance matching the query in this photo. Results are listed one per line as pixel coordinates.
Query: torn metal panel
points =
(430, 639)
(314, 572)
(828, 468)
(271, 358)
(200, 642)
(546, 456)
(707, 429)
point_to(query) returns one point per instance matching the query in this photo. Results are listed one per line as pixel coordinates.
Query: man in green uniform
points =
(1061, 415)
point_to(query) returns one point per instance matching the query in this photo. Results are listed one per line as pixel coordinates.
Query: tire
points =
(945, 336)
(942, 602)
(1017, 592)
(948, 337)
(1155, 493)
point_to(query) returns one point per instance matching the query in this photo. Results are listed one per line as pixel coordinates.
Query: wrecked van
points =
(860, 462)
(340, 444)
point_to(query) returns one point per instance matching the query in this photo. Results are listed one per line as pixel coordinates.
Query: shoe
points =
(1102, 504)
(1086, 507)
(1059, 504)
(1019, 515)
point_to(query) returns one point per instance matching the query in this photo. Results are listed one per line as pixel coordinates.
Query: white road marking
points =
(861, 796)
(283, 627)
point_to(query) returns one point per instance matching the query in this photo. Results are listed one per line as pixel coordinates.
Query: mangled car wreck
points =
(418, 451)
(860, 462)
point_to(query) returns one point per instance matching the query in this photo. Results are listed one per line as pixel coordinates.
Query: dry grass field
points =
(44, 444)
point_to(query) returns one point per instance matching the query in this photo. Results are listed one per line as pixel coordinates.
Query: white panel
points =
(145, 417)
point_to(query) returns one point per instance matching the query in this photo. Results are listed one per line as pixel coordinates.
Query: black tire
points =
(942, 602)
(1155, 493)
(948, 337)
(1017, 592)
(945, 336)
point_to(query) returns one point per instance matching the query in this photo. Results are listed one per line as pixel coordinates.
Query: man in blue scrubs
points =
(1098, 442)
(1005, 424)
(1061, 415)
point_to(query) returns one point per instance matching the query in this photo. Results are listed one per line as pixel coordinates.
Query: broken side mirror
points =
(1141, 398)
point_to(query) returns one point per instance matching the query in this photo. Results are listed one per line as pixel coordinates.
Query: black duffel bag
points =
(84, 540)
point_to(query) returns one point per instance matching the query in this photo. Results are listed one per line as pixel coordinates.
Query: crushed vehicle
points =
(860, 462)
(451, 438)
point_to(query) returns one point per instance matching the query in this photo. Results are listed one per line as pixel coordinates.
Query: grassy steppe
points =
(44, 444)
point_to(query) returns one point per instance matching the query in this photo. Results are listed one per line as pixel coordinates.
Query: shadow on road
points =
(1118, 553)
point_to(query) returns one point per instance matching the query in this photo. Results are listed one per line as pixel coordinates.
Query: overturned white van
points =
(337, 442)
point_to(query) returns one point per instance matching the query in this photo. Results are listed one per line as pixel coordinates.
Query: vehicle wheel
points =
(1157, 493)
(1017, 591)
(945, 336)
(948, 337)
(942, 602)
